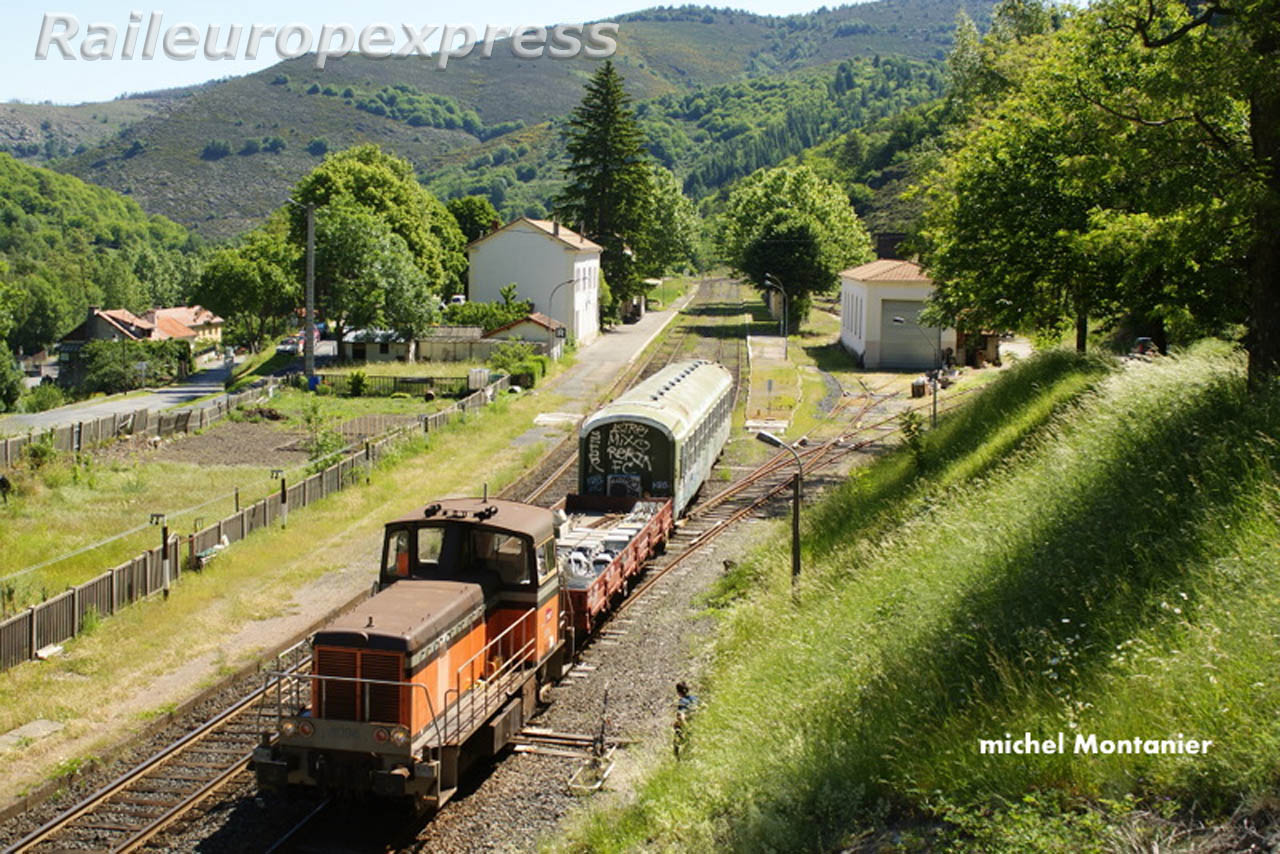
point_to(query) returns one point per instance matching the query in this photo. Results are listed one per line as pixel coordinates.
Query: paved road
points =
(197, 385)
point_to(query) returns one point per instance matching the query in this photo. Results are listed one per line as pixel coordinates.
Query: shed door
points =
(906, 346)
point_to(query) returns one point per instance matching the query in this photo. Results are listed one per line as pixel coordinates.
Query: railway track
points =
(129, 812)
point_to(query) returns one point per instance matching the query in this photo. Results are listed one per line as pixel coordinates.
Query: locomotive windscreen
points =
(626, 458)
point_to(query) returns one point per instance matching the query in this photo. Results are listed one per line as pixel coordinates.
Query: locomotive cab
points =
(441, 665)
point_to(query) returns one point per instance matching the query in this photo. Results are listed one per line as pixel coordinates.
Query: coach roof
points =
(676, 398)
(537, 523)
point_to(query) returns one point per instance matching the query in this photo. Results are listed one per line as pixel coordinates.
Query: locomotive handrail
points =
(509, 663)
(435, 722)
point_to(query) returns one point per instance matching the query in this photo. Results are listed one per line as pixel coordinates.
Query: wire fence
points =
(83, 435)
(34, 632)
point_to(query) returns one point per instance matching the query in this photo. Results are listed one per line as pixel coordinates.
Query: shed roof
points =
(536, 317)
(887, 270)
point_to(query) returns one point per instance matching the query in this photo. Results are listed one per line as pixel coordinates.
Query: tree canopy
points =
(385, 187)
(609, 182)
(1101, 165)
(796, 227)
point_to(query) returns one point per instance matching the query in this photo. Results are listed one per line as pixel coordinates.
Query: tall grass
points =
(1083, 550)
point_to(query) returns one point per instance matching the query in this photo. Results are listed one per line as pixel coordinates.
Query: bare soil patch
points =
(230, 443)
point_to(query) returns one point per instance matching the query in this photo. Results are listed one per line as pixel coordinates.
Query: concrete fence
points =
(83, 435)
(40, 627)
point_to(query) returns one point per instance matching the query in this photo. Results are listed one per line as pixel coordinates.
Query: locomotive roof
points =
(674, 398)
(406, 616)
(538, 523)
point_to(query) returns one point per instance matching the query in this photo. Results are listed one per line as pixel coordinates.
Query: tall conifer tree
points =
(608, 178)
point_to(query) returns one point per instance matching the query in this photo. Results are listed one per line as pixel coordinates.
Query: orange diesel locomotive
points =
(440, 667)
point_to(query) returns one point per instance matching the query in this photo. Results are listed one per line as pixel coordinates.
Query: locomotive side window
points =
(505, 554)
(430, 544)
(397, 558)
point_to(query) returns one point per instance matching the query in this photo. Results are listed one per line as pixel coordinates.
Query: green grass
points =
(67, 506)
(1081, 549)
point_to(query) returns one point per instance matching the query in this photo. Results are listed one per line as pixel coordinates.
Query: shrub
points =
(47, 395)
(280, 80)
(215, 149)
(40, 452)
(511, 355)
(324, 390)
(318, 146)
(250, 146)
(273, 144)
(358, 384)
(313, 89)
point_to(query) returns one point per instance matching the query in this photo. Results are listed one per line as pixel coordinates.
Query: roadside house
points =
(880, 305)
(206, 325)
(554, 267)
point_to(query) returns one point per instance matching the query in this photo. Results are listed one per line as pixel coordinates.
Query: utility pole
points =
(309, 344)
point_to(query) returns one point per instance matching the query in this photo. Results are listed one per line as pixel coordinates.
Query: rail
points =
(470, 702)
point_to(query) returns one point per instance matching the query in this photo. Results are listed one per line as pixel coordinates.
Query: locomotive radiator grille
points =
(336, 699)
(357, 701)
(383, 700)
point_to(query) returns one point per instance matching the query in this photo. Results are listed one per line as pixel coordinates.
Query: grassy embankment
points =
(1082, 549)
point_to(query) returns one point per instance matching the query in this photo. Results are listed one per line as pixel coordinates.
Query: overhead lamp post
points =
(770, 439)
(937, 362)
(770, 281)
(308, 343)
(551, 305)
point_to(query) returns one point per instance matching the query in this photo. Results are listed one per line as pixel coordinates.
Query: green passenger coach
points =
(661, 437)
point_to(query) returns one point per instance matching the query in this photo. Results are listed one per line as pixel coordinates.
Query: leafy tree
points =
(475, 215)
(385, 186)
(10, 379)
(253, 285)
(1209, 72)
(489, 315)
(670, 242)
(365, 274)
(113, 366)
(1057, 207)
(796, 227)
(609, 180)
(215, 149)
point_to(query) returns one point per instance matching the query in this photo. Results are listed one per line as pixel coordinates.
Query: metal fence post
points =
(31, 624)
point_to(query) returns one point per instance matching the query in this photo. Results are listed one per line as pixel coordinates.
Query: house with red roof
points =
(118, 324)
(880, 305)
(536, 327)
(554, 267)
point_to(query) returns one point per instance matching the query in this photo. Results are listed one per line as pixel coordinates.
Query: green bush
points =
(508, 356)
(44, 396)
(357, 384)
(215, 149)
(324, 390)
(318, 146)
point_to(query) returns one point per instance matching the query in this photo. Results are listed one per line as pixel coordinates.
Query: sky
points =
(23, 77)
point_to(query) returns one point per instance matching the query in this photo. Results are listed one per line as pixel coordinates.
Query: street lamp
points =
(309, 344)
(771, 282)
(937, 360)
(770, 439)
(551, 306)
